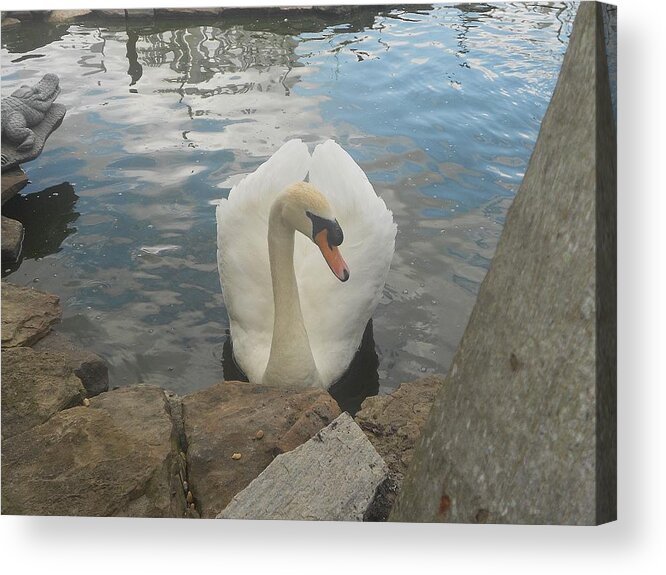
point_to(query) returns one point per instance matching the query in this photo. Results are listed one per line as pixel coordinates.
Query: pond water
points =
(440, 105)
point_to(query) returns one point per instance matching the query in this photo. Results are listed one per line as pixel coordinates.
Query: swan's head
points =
(306, 209)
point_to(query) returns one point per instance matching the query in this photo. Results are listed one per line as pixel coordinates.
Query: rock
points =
(27, 314)
(59, 16)
(188, 12)
(314, 418)
(12, 240)
(35, 386)
(89, 367)
(223, 419)
(524, 429)
(393, 424)
(13, 181)
(109, 13)
(332, 477)
(140, 13)
(117, 457)
(9, 22)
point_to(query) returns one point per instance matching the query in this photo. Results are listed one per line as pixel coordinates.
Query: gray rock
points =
(524, 429)
(393, 424)
(89, 367)
(116, 457)
(224, 419)
(12, 157)
(332, 477)
(27, 315)
(12, 240)
(13, 181)
(35, 386)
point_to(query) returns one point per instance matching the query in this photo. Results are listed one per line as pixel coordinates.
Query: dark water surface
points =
(440, 105)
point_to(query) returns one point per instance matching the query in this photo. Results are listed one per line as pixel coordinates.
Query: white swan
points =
(292, 321)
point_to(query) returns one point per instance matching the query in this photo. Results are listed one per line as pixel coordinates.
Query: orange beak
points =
(332, 256)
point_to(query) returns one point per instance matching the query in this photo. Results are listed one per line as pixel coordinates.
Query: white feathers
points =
(335, 314)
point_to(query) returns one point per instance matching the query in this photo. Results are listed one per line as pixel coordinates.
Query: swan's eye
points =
(334, 235)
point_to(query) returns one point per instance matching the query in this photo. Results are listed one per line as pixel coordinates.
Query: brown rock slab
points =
(110, 13)
(12, 240)
(13, 181)
(224, 419)
(114, 458)
(393, 424)
(89, 367)
(27, 314)
(35, 386)
(58, 16)
(188, 12)
(9, 22)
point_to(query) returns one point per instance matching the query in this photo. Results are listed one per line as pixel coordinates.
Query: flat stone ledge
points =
(332, 477)
(27, 315)
(35, 386)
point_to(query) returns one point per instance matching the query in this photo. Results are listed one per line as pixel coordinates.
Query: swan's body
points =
(292, 321)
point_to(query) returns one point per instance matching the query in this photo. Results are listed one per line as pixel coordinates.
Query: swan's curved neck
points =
(290, 361)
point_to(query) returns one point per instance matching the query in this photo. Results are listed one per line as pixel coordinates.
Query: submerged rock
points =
(332, 477)
(35, 386)
(223, 420)
(117, 457)
(27, 314)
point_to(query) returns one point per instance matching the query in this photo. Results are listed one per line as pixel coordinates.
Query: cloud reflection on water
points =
(440, 106)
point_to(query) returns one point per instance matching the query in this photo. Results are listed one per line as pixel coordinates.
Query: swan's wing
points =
(242, 254)
(336, 313)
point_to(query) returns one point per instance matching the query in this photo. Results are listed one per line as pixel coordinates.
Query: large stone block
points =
(524, 429)
(117, 457)
(334, 476)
